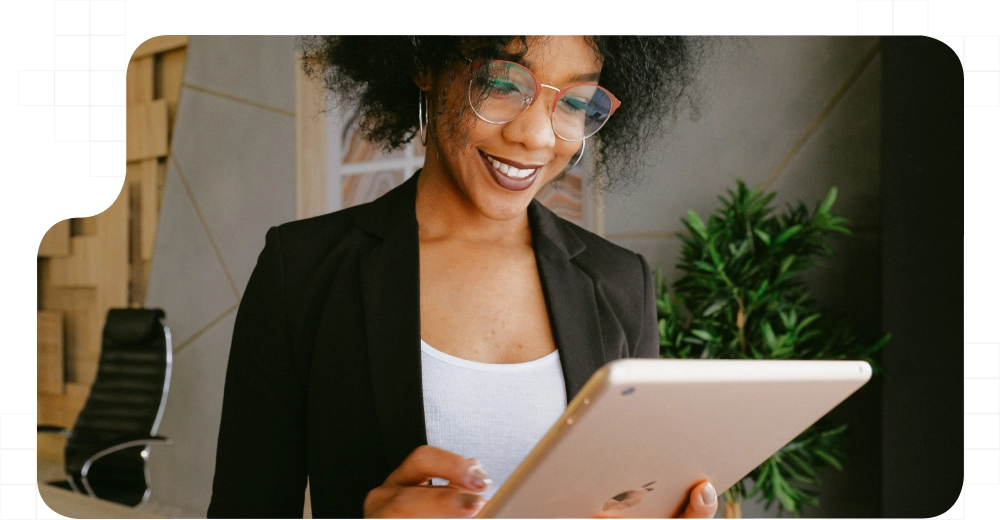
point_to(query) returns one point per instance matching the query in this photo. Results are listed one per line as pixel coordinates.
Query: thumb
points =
(703, 502)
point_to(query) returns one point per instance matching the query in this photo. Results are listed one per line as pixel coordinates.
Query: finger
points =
(431, 502)
(703, 501)
(428, 462)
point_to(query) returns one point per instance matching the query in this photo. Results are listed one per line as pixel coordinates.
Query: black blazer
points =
(324, 373)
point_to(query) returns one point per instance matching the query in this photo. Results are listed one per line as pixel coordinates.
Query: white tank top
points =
(494, 413)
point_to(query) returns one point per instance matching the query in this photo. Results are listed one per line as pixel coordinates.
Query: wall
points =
(795, 115)
(230, 176)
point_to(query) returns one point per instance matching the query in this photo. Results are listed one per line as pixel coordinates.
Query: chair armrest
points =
(45, 428)
(122, 444)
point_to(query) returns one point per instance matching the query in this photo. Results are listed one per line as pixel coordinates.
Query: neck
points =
(444, 212)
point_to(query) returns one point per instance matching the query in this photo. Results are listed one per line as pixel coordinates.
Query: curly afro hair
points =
(651, 75)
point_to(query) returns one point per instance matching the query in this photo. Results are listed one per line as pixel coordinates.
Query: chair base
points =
(130, 498)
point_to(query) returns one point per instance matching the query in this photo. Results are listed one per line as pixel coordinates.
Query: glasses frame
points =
(474, 67)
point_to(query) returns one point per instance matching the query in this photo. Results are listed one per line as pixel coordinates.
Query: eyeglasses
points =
(500, 91)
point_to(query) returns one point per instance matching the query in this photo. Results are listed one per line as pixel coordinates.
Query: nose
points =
(533, 128)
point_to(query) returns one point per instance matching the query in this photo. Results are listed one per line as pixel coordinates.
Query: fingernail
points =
(708, 494)
(470, 501)
(478, 477)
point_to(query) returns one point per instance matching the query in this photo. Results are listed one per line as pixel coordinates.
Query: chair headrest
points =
(131, 325)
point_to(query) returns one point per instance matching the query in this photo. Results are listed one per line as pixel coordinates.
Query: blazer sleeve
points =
(260, 468)
(648, 345)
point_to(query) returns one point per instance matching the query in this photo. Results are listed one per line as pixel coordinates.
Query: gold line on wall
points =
(238, 99)
(823, 113)
(204, 329)
(204, 225)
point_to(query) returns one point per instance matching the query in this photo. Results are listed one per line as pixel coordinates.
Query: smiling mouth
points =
(509, 176)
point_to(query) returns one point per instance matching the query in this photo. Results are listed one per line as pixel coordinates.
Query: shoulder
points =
(315, 233)
(607, 263)
(307, 253)
(351, 229)
(623, 285)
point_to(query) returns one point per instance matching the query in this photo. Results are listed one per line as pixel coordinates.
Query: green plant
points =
(740, 297)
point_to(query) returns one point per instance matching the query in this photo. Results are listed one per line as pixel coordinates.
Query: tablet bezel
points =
(815, 387)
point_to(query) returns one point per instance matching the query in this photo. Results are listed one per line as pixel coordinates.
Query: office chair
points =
(107, 450)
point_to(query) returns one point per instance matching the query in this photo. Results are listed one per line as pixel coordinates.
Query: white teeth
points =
(509, 170)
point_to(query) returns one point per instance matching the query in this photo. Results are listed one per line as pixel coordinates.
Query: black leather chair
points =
(108, 448)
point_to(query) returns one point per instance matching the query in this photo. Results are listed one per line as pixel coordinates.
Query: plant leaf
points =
(712, 309)
(786, 234)
(828, 458)
(827, 204)
(764, 237)
(702, 334)
(696, 224)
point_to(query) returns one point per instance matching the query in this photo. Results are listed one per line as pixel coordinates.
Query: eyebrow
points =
(589, 77)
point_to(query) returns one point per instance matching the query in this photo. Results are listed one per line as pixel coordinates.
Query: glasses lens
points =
(580, 112)
(500, 91)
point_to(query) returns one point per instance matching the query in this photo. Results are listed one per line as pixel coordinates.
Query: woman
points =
(433, 336)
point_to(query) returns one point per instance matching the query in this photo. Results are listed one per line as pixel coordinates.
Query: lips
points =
(514, 179)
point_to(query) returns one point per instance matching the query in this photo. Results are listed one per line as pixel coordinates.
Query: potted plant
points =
(740, 297)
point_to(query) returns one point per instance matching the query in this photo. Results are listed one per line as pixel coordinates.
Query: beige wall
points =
(231, 176)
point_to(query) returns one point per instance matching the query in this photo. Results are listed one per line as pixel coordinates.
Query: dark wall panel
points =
(922, 237)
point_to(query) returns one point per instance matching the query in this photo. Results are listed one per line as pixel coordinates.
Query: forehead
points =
(561, 59)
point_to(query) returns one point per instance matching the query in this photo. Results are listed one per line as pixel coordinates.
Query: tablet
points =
(642, 432)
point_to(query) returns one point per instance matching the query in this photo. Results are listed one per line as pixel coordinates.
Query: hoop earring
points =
(578, 155)
(422, 117)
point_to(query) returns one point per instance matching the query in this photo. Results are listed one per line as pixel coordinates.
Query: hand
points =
(406, 493)
(703, 502)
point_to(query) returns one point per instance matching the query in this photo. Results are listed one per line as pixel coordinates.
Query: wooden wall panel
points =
(149, 207)
(82, 326)
(78, 270)
(56, 241)
(51, 368)
(146, 130)
(139, 81)
(50, 413)
(171, 78)
(85, 226)
(112, 257)
(159, 44)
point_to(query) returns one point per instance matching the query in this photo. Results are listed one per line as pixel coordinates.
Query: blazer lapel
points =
(569, 296)
(390, 278)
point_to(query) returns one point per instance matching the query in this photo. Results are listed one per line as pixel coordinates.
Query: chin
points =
(505, 209)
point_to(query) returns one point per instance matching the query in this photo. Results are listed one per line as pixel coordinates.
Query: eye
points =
(502, 87)
(573, 103)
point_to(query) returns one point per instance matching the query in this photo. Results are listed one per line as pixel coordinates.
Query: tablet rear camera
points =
(628, 391)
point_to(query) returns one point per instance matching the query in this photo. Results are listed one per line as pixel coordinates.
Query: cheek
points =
(568, 151)
(455, 125)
